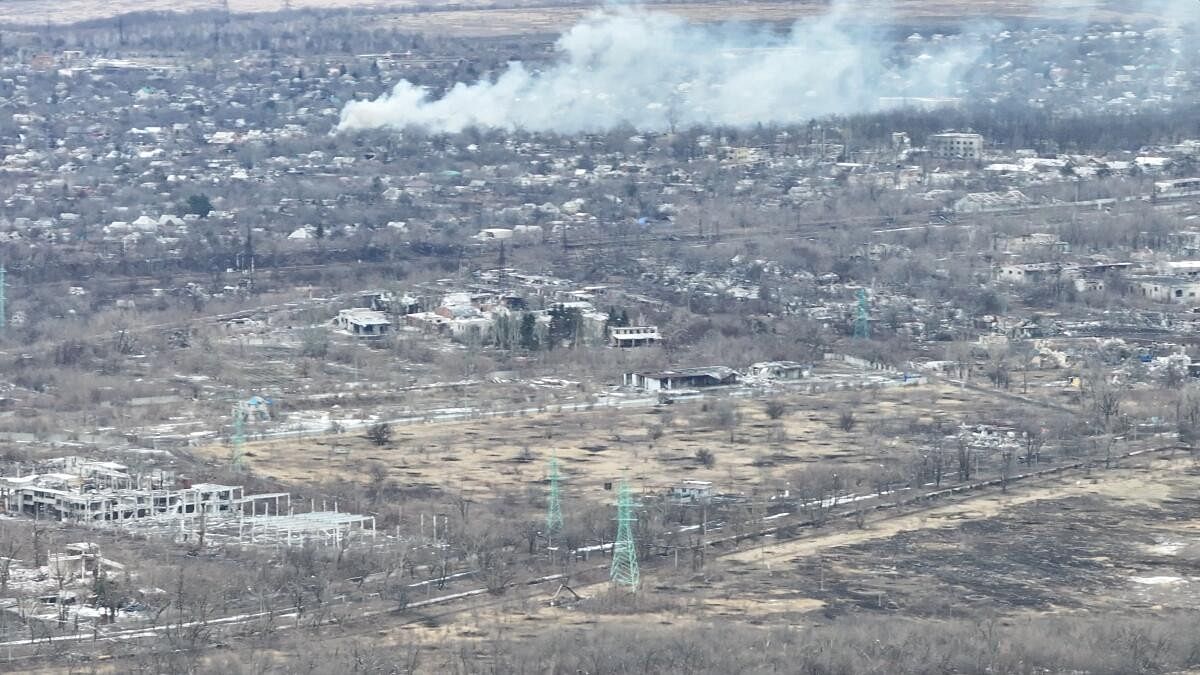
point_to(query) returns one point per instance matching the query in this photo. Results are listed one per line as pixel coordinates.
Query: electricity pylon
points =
(3, 306)
(624, 571)
(554, 518)
(862, 322)
(239, 436)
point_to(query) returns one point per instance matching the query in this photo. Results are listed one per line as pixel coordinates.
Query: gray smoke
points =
(656, 71)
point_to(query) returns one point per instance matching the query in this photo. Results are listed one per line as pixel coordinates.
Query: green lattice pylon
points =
(624, 570)
(554, 517)
(239, 436)
(862, 322)
(3, 302)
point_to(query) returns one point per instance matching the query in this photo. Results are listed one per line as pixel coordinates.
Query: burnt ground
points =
(1130, 543)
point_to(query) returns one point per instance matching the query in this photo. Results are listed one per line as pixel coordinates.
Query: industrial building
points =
(956, 146)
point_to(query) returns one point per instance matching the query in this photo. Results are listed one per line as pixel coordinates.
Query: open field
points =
(653, 447)
(1131, 531)
(521, 21)
(1049, 555)
(482, 18)
(1116, 541)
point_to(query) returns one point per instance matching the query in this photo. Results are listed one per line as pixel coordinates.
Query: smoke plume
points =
(656, 71)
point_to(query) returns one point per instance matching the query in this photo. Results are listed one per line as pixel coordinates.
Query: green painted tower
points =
(239, 437)
(624, 570)
(554, 517)
(3, 302)
(862, 322)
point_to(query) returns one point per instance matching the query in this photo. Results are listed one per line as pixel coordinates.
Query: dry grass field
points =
(480, 18)
(1110, 543)
(653, 447)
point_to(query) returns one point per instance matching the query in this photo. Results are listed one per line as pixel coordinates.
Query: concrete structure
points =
(692, 491)
(633, 336)
(1168, 289)
(81, 561)
(956, 146)
(1180, 268)
(984, 202)
(1086, 277)
(1186, 242)
(363, 322)
(60, 496)
(1179, 187)
(682, 379)
(779, 370)
(1028, 273)
(493, 233)
(145, 504)
(1036, 242)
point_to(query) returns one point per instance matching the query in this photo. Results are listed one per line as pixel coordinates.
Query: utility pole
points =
(624, 571)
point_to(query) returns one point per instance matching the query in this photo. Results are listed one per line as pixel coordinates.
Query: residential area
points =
(306, 365)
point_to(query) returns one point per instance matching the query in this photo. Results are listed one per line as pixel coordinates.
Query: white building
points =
(1168, 289)
(64, 496)
(692, 491)
(779, 370)
(685, 378)
(363, 322)
(981, 202)
(956, 146)
(493, 233)
(633, 336)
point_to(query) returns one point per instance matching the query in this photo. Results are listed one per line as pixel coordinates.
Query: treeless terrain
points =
(653, 447)
(1107, 543)
(484, 18)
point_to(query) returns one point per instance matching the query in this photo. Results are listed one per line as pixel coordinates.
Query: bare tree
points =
(726, 416)
(775, 408)
(846, 420)
(998, 369)
(1006, 462)
(653, 433)
(1033, 440)
(10, 548)
(380, 434)
(964, 457)
(378, 483)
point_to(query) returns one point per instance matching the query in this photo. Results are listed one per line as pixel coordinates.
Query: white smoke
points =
(655, 71)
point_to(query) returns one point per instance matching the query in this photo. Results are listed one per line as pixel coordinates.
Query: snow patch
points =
(1155, 581)
(1167, 548)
